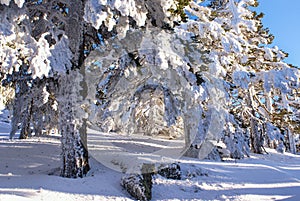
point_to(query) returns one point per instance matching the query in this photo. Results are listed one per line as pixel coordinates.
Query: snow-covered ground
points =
(28, 171)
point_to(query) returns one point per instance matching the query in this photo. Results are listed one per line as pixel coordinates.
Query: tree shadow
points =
(231, 181)
(30, 166)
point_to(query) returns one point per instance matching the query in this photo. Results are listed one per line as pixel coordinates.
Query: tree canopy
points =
(202, 70)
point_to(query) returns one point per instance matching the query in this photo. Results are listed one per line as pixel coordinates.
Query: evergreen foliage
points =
(207, 71)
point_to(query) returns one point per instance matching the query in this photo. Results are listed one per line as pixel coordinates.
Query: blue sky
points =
(282, 17)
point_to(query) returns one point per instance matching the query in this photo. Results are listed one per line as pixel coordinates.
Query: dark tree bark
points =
(26, 130)
(73, 129)
(72, 121)
(255, 134)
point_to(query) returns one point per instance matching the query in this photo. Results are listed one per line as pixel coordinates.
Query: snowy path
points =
(25, 167)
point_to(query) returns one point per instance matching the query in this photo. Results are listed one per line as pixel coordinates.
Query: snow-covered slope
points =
(29, 168)
(261, 177)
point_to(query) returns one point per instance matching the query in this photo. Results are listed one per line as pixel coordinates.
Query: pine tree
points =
(53, 38)
(217, 64)
(240, 53)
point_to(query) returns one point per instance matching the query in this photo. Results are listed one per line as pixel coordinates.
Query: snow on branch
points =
(18, 2)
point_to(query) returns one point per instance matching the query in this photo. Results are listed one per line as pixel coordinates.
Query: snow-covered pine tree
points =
(265, 63)
(222, 47)
(259, 65)
(118, 111)
(239, 48)
(53, 39)
(46, 37)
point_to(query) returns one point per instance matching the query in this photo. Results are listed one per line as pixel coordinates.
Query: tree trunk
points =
(21, 111)
(73, 128)
(38, 122)
(255, 135)
(291, 141)
(26, 130)
(15, 117)
(72, 91)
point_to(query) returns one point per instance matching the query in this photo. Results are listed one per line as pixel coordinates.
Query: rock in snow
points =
(137, 186)
(172, 171)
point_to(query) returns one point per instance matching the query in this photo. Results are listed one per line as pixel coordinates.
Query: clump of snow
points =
(102, 12)
(11, 42)
(45, 59)
(167, 5)
(94, 13)
(45, 95)
(241, 79)
(18, 2)
(61, 56)
(40, 64)
(131, 8)
(268, 54)
(18, 47)
(5, 2)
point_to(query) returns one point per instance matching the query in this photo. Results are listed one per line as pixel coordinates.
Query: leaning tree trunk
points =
(72, 123)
